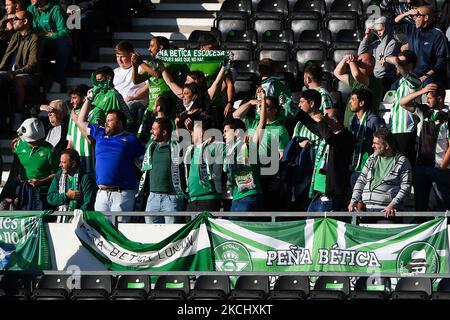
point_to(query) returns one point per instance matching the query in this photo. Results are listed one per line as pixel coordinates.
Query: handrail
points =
(264, 214)
(229, 273)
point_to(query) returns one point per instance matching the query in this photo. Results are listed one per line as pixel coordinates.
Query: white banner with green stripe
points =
(311, 245)
(328, 245)
(186, 249)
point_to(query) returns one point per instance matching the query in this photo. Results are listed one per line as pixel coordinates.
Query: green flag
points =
(329, 245)
(23, 242)
(186, 249)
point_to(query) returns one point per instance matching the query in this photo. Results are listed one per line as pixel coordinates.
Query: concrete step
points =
(149, 35)
(73, 82)
(173, 5)
(194, 21)
(91, 66)
(56, 96)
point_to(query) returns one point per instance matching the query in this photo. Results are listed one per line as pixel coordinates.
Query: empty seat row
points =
(290, 8)
(138, 287)
(304, 21)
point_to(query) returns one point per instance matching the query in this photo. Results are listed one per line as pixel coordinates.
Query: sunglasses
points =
(419, 15)
(18, 19)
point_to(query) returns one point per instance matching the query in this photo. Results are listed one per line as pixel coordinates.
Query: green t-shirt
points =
(245, 177)
(383, 167)
(38, 162)
(273, 130)
(105, 102)
(200, 190)
(160, 179)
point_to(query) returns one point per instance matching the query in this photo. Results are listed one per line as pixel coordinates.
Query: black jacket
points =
(339, 157)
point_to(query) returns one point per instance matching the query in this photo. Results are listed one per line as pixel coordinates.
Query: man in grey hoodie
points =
(379, 41)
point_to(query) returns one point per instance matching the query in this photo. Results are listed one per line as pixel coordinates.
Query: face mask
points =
(187, 106)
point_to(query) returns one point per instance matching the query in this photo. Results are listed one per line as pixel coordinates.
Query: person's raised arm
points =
(407, 102)
(340, 72)
(262, 116)
(241, 112)
(82, 120)
(176, 89)
(217, 83)
(137, 76)
(401, 17)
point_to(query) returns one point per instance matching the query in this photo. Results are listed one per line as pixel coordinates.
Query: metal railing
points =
(274, 216)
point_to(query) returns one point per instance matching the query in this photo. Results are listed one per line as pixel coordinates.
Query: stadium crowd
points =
(157, 136)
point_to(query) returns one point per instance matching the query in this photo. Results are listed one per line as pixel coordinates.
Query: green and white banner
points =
(186, 249)
(311, 245)
(192, 56)
(329, 245)
(23, 242)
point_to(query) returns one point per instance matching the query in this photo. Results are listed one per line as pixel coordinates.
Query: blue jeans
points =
(122, 200)
(335, 203)
(247, 204)
(162, 202)
(424, 179)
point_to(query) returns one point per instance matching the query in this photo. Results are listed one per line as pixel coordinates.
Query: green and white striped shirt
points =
(80, 144)
(327, 101)
(301, 130)
(401, 120)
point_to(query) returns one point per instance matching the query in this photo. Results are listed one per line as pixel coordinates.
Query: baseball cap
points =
(31, 130)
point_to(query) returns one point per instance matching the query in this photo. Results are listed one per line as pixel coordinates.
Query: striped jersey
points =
(401, 120)
(80, 144)
(327, 101)
(301, 130)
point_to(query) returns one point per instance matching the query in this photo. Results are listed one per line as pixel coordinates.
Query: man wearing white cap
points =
(36, 156)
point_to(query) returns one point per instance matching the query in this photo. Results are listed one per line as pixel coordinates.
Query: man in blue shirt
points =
(115, 154)
(430, 45)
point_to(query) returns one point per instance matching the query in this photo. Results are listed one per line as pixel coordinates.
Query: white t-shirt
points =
(123, 82)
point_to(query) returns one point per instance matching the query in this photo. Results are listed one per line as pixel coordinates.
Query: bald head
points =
(366, 63)
(423, 17)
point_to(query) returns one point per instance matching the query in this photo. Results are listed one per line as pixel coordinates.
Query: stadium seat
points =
(341, 87)
(232, 6)
(245, 88)
(192, 42)
(338, 51)
(443, 290)
(316, 7)
(330, 288)
(242, 51)
(16, 286)
(53, 287)
(314, 36)
(262, 23)
(274, 51)
(268, 7)
(131, 287)
(93, 288)
(302, 22)
(277, 36)
(349, 36)
(290, 288)
(250, 288)
(246, 67)
(371, 288)
(328, 4)
(336, 21)
(242, 36)
(303, 55)
(412, 288)
(226, 23)
(347, 6)
(211, 288)
(171, 288)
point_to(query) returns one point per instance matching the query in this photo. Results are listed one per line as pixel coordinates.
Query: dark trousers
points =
(424, 179)
(203, 205)
(405, 143)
